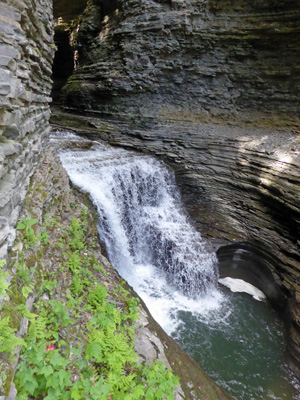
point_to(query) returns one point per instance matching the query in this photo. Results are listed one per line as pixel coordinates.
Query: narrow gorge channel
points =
(154, 246)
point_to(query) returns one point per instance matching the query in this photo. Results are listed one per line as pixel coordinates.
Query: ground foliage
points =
(79, 343)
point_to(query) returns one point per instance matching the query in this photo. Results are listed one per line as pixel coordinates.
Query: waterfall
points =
(141, 218)
(148, 236)
(150, 241)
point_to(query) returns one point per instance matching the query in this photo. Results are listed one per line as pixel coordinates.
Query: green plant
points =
(37, 327)
(97, 295)
(74, 262)
(26, 290)
(76, 235)
(98, 267)
(3, 278)
(28, 232)
(22, 272)
(37, 51)
(48, 375)
(49, 285)
(77, 285)
(50, 222)
(44, 237)
(81, 347)
(8, 340)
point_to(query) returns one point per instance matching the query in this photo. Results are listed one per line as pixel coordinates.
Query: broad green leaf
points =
(53, 381)
(30, 222)
(159, 394)
(94, 350)
(76, 351)
(75, 394)
(64, 379)
(66, 395)
(20, 226)
(100, 390)
(47, 370)
(24, 375)
(30, 386)
(57, 360)
(138, 392)
(52, 394)
(82, 364)
(22, 396)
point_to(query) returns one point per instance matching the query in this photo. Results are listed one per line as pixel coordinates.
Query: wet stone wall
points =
(26, 53)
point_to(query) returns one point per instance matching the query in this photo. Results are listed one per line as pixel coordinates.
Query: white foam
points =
(147, 190)
(238, 285)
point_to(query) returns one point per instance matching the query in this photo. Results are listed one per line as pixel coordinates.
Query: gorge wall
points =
(188, 59)
(26, 53)
(218, 68)
(203, 61)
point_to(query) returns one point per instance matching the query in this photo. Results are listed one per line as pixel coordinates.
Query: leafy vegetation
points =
(79, 344)
(8, 341)
(29, 236)
(3, 279)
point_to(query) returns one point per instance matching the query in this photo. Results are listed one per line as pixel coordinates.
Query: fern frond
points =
(8, 340)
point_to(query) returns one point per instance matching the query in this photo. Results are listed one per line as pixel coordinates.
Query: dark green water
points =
(242, 347)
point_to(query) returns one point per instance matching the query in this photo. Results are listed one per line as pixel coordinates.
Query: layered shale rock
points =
(226, 61)
(26, 53)
(188, 59)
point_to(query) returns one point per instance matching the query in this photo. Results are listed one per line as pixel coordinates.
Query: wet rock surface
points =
(239, 185)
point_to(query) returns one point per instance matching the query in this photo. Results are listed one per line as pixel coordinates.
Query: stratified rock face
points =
(189, 58)
(25, 69)
(196, 60)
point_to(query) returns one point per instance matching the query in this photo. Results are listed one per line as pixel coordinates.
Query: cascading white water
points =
(147, 234)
